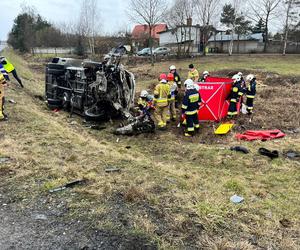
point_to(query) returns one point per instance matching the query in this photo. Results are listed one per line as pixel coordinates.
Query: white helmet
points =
(144, 93)
(236, 78)
(250, 77)
(240, 74)
(205, 72)
(172, 67)
(189, 84)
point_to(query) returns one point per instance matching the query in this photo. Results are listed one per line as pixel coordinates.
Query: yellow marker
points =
(224, 128)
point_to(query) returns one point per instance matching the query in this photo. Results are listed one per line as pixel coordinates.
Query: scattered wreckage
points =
(98, 91)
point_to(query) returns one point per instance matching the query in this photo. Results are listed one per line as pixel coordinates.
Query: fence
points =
(55, 51)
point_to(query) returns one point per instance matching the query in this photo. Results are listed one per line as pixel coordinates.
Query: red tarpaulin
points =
(251, 135)
(214, 92)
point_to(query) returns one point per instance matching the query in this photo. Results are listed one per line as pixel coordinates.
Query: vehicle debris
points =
(266, 152)
(68, 185)
(4, 159)
(136, 125)
(295, 155)
(12, 101)
(112, 169)
(236, 199)
(240, 149)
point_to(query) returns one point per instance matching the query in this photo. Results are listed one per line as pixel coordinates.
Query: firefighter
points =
(193, 73)
(179, 94)
(3, 72)
(250, 92)
(190, 106)
(145, 103)
(161, 96)
(243, 82)
(10, 69)
(173, 90)
(3, 117)
(205, 74)
(234, 96)
(176, 75)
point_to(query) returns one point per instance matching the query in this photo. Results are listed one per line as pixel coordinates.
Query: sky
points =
(112, 12)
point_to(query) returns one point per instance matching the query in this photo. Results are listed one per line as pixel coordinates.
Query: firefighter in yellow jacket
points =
(193, 73)
(10, 69)
(162, 95)
(2, 84)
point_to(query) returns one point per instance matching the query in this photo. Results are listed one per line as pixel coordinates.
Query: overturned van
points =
(95, 90)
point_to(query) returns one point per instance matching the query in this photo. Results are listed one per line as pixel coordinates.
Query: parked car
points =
(162, 51)
(144, 52)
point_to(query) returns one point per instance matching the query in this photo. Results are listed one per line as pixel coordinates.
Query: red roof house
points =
(140, 32)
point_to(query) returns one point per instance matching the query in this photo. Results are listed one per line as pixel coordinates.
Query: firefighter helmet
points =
(236, 78)
(163, 76)
(250, 77)
(144, 93)
(170, 77)
(172, 67)
(240, 74)
(205, 72)
(189, 84)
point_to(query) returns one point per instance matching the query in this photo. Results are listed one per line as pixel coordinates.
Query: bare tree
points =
(150, 12)
(177, 19)
(206, 11)
(292, 14)
(88, 22)
(266, 11)
(234, 19)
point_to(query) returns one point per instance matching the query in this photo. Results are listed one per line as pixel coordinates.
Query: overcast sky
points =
(113, 16)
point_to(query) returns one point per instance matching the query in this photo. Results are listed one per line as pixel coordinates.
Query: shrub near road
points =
(171, 192)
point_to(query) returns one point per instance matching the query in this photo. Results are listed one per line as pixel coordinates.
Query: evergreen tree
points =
(259, 27)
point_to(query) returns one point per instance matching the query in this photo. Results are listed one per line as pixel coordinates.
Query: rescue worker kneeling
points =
(161, 96)
(3, 117)
(190, 105)
(145, 103)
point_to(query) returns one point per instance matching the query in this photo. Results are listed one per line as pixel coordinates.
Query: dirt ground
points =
(171, 192)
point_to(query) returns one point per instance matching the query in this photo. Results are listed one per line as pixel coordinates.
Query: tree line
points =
(238, 17)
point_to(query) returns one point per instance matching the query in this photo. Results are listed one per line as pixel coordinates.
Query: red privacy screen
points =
(214, 93)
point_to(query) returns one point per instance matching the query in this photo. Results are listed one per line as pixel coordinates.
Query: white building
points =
(251, 43)
(184, 36)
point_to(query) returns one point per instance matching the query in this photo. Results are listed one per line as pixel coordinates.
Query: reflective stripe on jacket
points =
(161, 94)
(251, 89)
(191, 102)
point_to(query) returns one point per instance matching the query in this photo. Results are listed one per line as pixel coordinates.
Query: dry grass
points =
(175, 190)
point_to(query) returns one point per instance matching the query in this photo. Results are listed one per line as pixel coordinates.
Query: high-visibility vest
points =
(8, 66)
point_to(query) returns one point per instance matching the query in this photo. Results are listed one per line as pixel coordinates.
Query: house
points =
(140, 34)
(251, 43)
(186, 38)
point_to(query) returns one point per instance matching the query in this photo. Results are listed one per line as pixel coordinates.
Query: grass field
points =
(171, 190)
